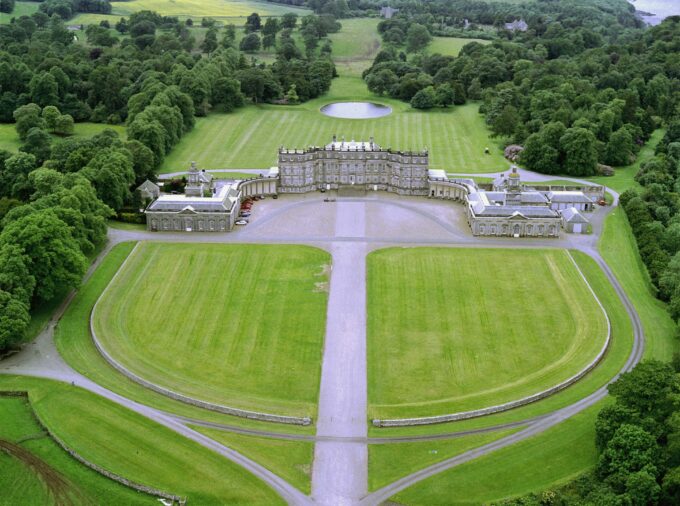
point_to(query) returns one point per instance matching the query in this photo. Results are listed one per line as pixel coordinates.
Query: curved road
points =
(41, 358)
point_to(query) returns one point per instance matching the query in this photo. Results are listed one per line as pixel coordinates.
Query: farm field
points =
(237, 325)
(132, 446)
(451, 46)
(9, 139)
(226, 11)
(251, 136)
(455, 330)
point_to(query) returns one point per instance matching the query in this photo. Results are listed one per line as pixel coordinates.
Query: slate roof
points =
(568, 196)
(222, 202)
(149, 186)
(571, 215)
(353, 146)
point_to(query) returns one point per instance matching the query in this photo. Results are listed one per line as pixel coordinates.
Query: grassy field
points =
(234, 175)
(556, 456)
(619, 249)
(614, 359)
(389, 462)
(250, 137)
(450, 46)
(55, 475)
(132, 446)
(624, 176)
(197, 9)
(452, 330)
(72, 337)
(9, 139)
(355, 46)
(20, 9)
(239, 325)
(291, 460)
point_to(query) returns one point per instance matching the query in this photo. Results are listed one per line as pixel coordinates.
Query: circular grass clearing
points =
(453, 330)
(238, 325)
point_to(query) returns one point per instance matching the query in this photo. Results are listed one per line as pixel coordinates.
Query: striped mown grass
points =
(240, 325)
(458, 329)
(250, 137)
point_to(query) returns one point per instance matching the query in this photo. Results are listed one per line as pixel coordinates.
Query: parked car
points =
(241, 222)
(275, 196)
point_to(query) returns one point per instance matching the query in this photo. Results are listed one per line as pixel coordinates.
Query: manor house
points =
(363, 165)
(506, 208)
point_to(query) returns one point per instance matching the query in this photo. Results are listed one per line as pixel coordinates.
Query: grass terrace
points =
(20, 9)
(241, 325)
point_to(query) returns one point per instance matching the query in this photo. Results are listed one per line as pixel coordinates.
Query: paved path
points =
(340, 470)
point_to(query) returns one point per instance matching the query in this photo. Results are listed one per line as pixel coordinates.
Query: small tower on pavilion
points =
(199, 183)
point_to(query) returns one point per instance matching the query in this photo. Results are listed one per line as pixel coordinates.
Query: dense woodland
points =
(638, 442)
(575, 91)
(145, 73)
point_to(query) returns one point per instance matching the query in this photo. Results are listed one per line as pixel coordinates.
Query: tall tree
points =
(51, 253)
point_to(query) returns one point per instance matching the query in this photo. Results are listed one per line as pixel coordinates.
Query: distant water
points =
(659, 9)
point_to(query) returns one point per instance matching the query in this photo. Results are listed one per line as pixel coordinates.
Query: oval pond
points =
(356, 110)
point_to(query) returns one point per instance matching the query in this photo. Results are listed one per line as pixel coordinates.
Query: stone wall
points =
(107, 474)
(254, 415)
(259, 186)
(464, 415)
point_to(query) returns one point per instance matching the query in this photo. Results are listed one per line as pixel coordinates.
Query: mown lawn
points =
(390, 462)
(251, 136)
(22, 484)
(457, 329)
(9, 139)
(235, 324)
(291, 460)
(137, 448)
(72, 337)
(355, 45)
(618, 248)
(556, 456)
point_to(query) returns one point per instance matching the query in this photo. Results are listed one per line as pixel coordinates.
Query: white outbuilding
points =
(573, 221)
